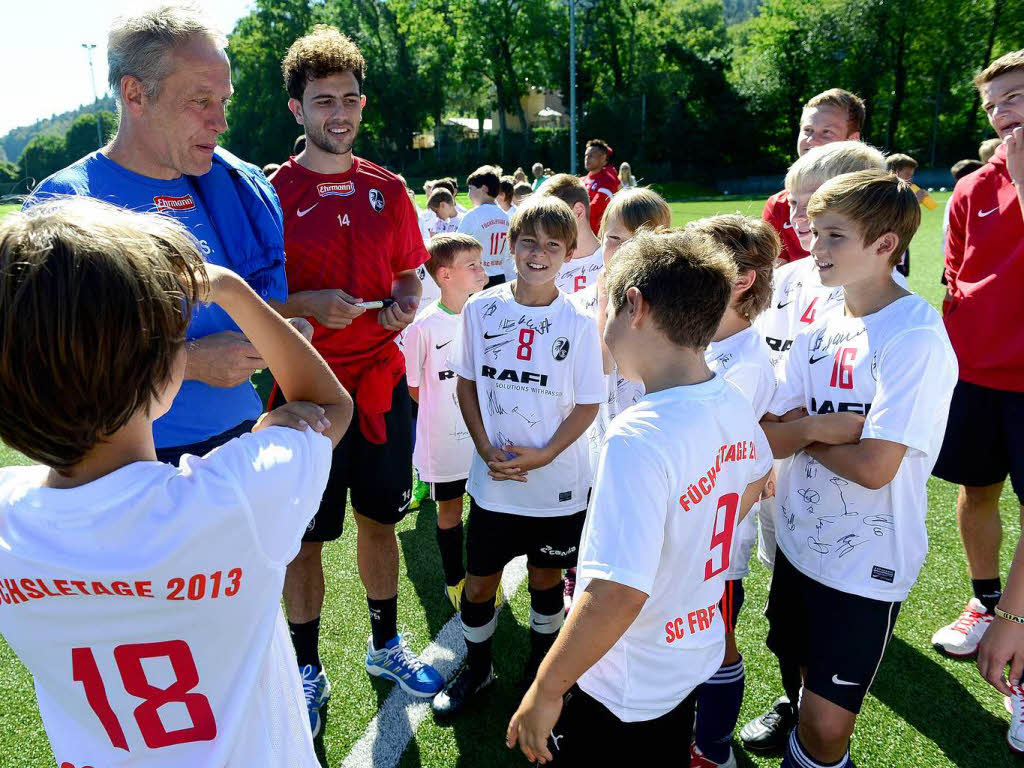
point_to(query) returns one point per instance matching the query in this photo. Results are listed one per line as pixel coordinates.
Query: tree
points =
(80, 139)
(42, 156)
(9, 172)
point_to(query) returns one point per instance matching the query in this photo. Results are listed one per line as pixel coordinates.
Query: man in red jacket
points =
(833, 115)
(985, 271)
(601, 181)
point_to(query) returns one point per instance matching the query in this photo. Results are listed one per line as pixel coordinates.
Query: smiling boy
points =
(530, 381)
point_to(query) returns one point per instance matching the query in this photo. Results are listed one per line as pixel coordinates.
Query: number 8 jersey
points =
(146, 604)
(531, 366)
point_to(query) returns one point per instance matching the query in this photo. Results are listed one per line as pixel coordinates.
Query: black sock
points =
(306, 639)
(988, 591)
(791, 682)
(449, 541)
(478, 622)
(546, 616)
(383, 620)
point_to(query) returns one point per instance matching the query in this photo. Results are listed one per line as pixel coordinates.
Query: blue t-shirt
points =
(199, 411)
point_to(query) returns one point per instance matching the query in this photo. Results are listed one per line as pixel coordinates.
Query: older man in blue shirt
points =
(172, 79)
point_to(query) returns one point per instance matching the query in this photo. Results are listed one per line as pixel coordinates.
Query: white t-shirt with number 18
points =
(661, 520)
(147, 604)
(531, 366)
(489, 225)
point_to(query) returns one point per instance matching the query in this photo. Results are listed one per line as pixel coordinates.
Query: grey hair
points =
(830, 160)
(139, 45)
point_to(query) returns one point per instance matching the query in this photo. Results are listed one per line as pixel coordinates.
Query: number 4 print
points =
(133, 676)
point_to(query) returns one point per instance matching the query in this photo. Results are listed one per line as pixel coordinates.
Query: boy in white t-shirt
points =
(488, 223)
(127, 574)
(443, 449)
(588, 259)
(530, 380)
(441, 203)
(677, 471)
(738, 353)
(850, 521)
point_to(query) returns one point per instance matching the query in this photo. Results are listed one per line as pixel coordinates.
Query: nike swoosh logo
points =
(813, 360)
(495, 335)
(837, 681)
(405, 506)
(983, 214)
(303, 213)
(438, 346)
(787, 225)
(780, 305)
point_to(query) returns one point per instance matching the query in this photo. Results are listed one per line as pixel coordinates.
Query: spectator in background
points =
(539, 175)
(299, 146)
(442, 205)
(270, 168)
(960, 169)
(626, 176)
(452, 186)
(520, 192)
(601, 180)
(520, 176)
(988, 148)
(506, 190)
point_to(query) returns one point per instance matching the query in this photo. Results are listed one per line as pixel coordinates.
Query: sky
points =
(47, 69)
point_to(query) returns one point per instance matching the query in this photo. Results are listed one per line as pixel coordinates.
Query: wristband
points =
(1009, 616)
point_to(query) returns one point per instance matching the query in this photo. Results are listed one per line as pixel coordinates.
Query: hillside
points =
(14, 142)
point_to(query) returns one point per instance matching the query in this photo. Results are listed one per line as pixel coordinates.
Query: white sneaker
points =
(1015, 736)
(961, 638)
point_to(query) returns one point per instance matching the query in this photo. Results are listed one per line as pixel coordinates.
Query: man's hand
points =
(224, 359)
(296, 415)
(1002, 644)
(303, 326)
(398, 316)
(1015, 156)
(532, 723)
(331, 307)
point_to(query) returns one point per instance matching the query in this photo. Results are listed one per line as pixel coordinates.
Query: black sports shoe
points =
(770, 731)
(464, 686)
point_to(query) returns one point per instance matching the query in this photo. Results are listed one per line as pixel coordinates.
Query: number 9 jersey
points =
(146, 604)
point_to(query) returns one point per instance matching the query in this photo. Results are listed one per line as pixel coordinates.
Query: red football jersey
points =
(776, 213)
(600, 187)
(352, 231)
(985, 272)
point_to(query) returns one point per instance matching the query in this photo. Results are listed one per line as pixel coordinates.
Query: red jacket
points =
(776, 213)
(600, 187)
(985, 272)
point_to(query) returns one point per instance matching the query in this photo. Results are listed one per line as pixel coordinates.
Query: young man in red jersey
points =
(352, 237)
(985, 436)
(832, 115)
(601, 181)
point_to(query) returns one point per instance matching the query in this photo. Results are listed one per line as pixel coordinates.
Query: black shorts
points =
(840, 638)
(589, 734)
(495, 538)
(449, 491)
(379, 477)
(730, 604)
(984, 439)
(173, 454)
(493, 280)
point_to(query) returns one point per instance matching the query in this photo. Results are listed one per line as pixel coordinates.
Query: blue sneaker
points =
(396, 662)
(317, 689)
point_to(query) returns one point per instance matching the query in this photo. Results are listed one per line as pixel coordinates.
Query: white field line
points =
(394, 725)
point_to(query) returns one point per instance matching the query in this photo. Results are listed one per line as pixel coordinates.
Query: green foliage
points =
(9, 173)
(44, 155)
(16, 140)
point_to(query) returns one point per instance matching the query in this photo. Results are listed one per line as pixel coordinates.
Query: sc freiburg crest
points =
(376, 199)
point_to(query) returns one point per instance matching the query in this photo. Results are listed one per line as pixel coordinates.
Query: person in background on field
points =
(626, 176)
(506, 190)
(985, 437)
(442, 205)
(270, 169)
(488, 224)
(601, 180)
(520, 176)
(987, 148)
(519, 193)
(832, 115)
(539, 175)
(960, 169)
